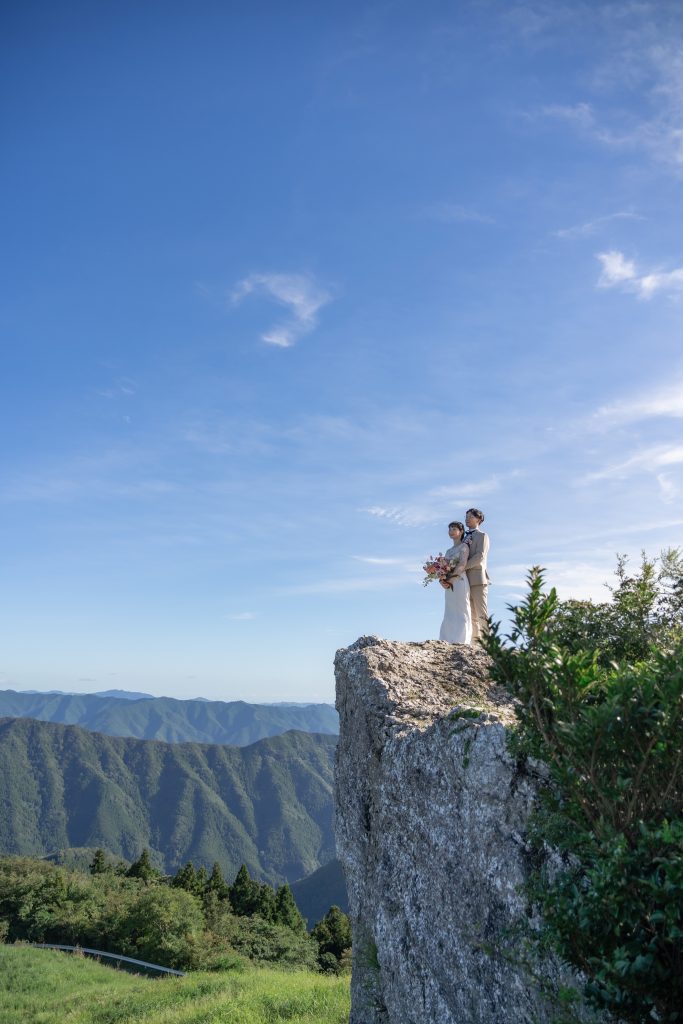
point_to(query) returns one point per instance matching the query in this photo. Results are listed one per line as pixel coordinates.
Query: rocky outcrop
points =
(430, 818)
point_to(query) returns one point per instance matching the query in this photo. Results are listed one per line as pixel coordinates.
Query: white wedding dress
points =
(457, 620)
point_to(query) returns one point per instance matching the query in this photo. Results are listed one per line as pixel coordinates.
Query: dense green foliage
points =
(333, 936)
(645, 612)
(600, 701)
(193, 920)
(268, 806)
(175, 721)
(38, 985)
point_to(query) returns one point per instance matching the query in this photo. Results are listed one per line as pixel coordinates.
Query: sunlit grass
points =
(46, 987)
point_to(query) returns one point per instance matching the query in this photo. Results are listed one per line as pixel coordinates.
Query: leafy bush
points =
(187, 922)
(645, 612)
(610, 730)
(333, 935)
(161, 925)
(266, 943)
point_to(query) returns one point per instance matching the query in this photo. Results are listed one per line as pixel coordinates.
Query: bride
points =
(457, 620)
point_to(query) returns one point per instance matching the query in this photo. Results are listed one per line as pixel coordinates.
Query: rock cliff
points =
(430, 818)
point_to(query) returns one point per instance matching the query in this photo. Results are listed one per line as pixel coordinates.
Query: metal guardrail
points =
(111, 956)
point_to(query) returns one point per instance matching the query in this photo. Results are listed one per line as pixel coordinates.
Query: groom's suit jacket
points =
(476, 570)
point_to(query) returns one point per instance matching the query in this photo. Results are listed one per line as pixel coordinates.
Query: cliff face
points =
(430, 816)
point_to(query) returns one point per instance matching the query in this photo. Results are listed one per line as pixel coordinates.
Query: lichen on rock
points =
(431, 811)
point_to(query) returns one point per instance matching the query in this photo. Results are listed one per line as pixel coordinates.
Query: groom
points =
(476, 570)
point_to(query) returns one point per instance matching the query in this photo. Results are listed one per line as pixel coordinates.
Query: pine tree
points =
(244, 893)
(286, 910)
(265, 903)
(217, 884)
(201, 878)
(186, 878)
(99, 864)
(143, 868)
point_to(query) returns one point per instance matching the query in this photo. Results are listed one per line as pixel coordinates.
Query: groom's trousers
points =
(479, 609)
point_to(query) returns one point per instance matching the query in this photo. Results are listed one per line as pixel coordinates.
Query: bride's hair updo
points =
(460, 527)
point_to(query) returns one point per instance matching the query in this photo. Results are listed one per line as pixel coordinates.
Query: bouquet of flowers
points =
(438, 568)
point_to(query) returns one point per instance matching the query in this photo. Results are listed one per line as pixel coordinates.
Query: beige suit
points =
(478, 577)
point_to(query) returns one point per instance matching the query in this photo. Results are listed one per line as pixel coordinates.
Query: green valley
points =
(267, 805)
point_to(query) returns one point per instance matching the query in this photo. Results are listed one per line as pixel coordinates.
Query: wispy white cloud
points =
(642, 59)
(578, 114)
(111, 474)
(242, 617)
(438, 503)
(583, 580)
(648, 459)
(454, 213)
(298, 293)
(377, 560)
(591, 227)
(401, 516)
(352, 584)
(665, 401)
(669, 489)
(618, 271)
(122, 387)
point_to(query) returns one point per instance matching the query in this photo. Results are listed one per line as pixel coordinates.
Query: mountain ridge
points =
(267, 804)
(169, 719)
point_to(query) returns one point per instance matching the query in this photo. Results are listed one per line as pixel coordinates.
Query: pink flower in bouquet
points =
(438, 568)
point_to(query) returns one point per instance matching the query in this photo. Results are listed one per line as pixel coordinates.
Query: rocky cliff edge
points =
(430, 819)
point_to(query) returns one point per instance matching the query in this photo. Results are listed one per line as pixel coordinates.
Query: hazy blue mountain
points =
(320, 890)
(121, 694)
(175, 721)
(268, 805)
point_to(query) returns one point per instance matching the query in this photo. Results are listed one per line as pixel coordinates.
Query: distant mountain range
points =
(268, 805)
(121, 694)
(174, 721)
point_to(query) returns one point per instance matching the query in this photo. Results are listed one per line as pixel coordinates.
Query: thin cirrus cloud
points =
(648, 459)
(659, 70)
(582, 580)
(123, 387)
(439, 502)
(661, 402)
(591, 227)
(298, 293)
(620, 272)
(454, 213)
(668, 487)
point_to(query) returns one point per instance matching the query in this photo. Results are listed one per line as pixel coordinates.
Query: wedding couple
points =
(466, 588)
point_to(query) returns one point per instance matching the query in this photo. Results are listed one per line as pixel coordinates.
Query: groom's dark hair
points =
(476, 512)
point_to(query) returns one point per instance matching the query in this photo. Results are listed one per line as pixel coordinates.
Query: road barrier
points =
(111, 956)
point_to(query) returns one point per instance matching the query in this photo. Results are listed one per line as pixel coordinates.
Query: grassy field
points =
(40, 986)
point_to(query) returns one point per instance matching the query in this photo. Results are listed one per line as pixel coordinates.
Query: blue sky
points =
(290, 286)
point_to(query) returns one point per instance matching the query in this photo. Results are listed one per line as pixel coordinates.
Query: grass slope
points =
(174, 721)
(268, 805)
(44, 987)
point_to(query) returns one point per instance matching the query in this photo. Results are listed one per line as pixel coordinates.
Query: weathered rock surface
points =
(430, 818)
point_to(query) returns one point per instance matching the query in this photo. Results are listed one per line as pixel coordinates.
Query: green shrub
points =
(611, 735)
(266, 943)
(162, 925)
(333, 935)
